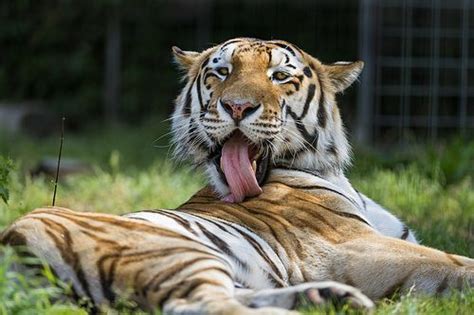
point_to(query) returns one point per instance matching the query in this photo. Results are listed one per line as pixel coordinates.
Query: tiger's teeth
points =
(254, 166)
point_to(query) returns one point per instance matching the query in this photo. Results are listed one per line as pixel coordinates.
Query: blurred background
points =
(110, 61)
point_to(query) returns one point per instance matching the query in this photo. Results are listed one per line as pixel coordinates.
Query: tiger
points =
(279, 226)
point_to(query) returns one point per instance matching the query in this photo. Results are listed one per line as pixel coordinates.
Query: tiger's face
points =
(249, 105)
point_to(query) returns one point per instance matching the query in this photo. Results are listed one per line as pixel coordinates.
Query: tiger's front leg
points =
(381, 266)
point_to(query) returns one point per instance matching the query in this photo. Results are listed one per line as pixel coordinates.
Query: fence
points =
(419, 80)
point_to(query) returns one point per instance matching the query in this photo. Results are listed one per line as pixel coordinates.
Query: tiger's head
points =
(249, 105)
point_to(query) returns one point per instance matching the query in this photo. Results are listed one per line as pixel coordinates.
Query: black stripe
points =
(262, 253)
(349, 215)
(198, 87)
(298, 49)
(185, 224)
(307, 72)
(223, 246)
(443, 285)
(193, 284)
(405, 233)
(266, 132)
(139, 257)
(142, 219)
(264, 222)
(77, 266)
(312, 187)
(286, 47)
(289, 154)
(188, 99)
(160, 278)
(13, 238)
(322, 115)
(107, 279)
(219, 225)
(192, 131)
(209, 75)
(167, 274)
(340, 213)
(192, 136)
(309, 98)
(295, 84)
(395, 287)
(231, 42)
(311, 139)
(250, 211)
(364, 204)
(118, 222)
(205, 62)
(332, 149)
(64, 246)
(187, 102)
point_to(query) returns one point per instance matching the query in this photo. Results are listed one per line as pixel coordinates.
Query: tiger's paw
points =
(327, 293)
(332, 294)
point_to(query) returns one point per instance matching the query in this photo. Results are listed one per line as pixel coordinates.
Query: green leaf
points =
(6, 165)
(4, 194)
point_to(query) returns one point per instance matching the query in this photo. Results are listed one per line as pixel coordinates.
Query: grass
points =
(431, 188)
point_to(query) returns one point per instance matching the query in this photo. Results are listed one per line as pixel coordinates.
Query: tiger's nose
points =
(239, 111)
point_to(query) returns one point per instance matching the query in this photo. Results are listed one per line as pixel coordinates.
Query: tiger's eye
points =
(223, 71)
(280, 75)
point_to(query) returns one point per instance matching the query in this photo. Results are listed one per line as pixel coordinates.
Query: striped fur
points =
(309, 238)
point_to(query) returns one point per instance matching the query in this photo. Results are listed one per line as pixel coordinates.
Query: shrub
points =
(6, 165)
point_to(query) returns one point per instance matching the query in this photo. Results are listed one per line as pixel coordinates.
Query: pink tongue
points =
(238, 170)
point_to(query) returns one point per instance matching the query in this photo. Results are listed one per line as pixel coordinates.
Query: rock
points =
(29, 117)
(48, 166)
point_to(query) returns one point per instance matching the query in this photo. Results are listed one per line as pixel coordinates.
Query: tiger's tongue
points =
(237, 169)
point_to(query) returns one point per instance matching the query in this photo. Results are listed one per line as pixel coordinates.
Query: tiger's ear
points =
(343, 74)
(185, 59)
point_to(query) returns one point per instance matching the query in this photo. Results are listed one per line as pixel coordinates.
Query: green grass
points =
(431, 188)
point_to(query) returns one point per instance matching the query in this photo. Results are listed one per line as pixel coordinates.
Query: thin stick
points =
(59, 160)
